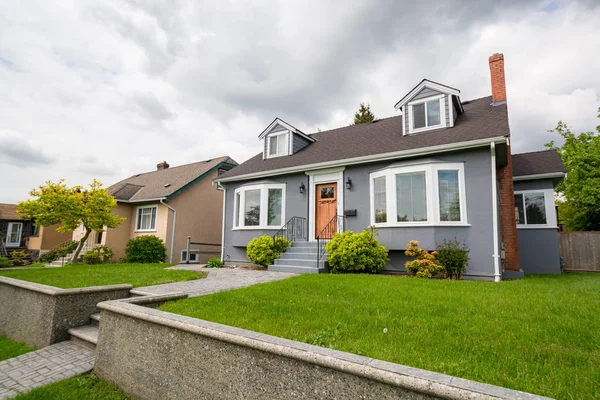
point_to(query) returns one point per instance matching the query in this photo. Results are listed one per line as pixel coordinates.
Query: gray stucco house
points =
(442, 169)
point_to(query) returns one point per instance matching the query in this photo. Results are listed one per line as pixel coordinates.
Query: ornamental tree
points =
(581, 187)
(71, 207)
(364, 114)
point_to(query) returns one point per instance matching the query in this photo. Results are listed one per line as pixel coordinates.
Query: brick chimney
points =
(162, 165)
(498, 79)
(508, 222)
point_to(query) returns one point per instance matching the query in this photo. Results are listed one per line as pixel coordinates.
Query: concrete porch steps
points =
(86, 335)
(300, 258)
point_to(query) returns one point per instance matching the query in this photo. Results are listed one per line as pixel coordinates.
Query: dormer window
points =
(278, 144)
(427, 114)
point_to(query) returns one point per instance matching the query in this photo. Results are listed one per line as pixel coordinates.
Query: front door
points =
(325, 207)
(15, 229)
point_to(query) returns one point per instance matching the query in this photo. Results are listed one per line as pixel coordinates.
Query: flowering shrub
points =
(425, 264)
(18, 257)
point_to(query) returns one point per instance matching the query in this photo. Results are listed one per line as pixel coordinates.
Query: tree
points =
(72, 207)
(363, 114)
(581, 187)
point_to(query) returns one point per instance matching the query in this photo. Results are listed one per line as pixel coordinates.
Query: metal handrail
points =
(335, 225)
(294, 229)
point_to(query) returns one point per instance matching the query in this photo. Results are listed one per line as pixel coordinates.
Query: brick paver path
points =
(218, 280)
(41, 367)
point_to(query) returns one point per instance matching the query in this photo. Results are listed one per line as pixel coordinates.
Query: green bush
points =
(48, 257)
(18, 257)
(454, 257)
(214, 262)
(145, 249)
(66, 248)
(350, 252)
(264, 250)
(424, 264)
(5, 262)
(98, 255)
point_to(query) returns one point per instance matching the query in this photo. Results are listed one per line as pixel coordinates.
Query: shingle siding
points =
(299, 143)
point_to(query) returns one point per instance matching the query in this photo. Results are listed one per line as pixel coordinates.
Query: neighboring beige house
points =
(172, 204)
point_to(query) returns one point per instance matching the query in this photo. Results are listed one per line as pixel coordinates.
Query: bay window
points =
(259, 207)
(428, 194)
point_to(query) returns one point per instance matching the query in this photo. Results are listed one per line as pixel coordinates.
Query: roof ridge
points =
(178, 166)
(363, 125)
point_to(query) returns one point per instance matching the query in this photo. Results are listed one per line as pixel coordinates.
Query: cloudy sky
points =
(104, 89)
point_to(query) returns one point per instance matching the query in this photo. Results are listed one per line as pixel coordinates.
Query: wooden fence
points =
(580, 251)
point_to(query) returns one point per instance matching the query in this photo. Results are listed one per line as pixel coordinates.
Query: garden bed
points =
(540, 334)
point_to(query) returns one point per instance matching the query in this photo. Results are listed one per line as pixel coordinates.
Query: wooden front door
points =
(325, 207)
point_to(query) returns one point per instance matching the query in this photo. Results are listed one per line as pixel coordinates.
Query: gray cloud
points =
(148, 105)
(16, 149)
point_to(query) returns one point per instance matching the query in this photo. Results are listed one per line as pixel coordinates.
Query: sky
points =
(107, 89)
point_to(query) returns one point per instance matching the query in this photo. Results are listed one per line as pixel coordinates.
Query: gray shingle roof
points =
(9, 212)
(479, 121)
(163, 183)
(536, 163)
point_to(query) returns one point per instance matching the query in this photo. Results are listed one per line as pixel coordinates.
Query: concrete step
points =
(302, 249)
(299, 263)
(95, 319)
(299, 256)
(296, 269)
(85, 335)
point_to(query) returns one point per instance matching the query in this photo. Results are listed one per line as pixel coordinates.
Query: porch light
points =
(349, 184)
(302, 188)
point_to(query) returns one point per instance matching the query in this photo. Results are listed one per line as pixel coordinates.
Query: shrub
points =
(18, 257)
(5, 262)
(214, 262)
(425, 264)
(145, 249)
(63, 250)
(98, 255)
(454, 257)
(264, 250)
(356, 252)
(48, 257)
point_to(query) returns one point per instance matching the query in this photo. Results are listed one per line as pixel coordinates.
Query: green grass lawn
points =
(87, 386)
(10, 348)
(540, 334)
(81, 275)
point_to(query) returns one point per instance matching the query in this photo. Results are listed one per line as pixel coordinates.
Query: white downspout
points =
(496, 256)
(173, 231)
(223, 225)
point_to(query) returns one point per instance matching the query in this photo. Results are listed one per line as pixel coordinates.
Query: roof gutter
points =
(172, 231)
(549, 175)
(371, 158)
(141, 200)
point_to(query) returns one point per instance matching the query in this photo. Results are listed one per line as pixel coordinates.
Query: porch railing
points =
(293, 230)
(335, 225)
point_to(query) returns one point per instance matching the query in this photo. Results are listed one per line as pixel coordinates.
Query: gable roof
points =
(166, 182)
(480, 121)
(545, 163)
(289, 127)
(429, 84)
(9, 212)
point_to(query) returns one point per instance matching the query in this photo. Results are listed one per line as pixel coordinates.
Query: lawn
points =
(81, 275)
(10, 349)
(540, 334)
(87, 386)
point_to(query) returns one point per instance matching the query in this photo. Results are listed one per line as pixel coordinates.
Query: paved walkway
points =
(218, 280)
(41, 367)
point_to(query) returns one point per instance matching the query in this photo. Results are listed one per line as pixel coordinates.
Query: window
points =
(530, 208)
(193, 256)
(278, 144)
(449, 195)
(146, 218)
(36, 231)
(411, 199)
(259, 207)
(379, 199)
(427, 114)
(428, 194)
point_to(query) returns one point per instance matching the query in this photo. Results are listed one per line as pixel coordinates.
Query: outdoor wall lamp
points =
(302, 188)
(349, 184)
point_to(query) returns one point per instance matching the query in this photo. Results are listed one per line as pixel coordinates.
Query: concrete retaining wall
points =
(40, 315)
(151, 354)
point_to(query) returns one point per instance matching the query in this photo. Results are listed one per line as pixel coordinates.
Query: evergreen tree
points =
(363, 114)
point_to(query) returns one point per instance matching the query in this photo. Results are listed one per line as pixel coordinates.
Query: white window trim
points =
(550, 209)
(442, 123)
(137, 217)
(286, 152)
(192, 252)
(431, 193)
(264, 204)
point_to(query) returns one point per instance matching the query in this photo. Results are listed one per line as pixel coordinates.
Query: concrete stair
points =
(86, 335)
(300, 258)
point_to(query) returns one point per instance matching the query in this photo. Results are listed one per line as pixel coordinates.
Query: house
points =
(442, 169)
(19, 234)
(171, 203)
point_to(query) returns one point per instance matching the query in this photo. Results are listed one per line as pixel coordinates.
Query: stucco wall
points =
(478, 236)
(41, 315)
(117, 237)
(51, 237)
